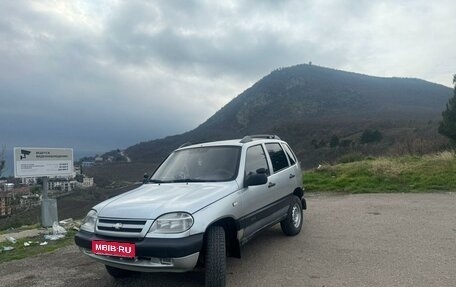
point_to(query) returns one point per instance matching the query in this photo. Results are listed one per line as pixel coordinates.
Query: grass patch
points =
(435, 172)
(20, 251)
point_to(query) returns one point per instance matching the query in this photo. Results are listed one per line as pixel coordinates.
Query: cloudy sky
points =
(99, 75)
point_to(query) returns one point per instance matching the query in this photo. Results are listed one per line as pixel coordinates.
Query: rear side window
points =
(289, 154)
(255, 161)
(277, 155)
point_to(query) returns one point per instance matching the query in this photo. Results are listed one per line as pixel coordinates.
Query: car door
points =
(266, 204)
(255, 198)
(281, 174)
(295, 174)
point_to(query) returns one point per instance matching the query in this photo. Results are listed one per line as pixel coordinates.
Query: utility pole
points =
(48, 206)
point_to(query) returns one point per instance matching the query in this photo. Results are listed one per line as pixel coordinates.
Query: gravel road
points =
(347, 240)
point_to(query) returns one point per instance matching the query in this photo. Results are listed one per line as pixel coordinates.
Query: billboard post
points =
(44, 163)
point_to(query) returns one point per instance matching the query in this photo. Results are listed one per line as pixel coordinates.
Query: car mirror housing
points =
(256, 179)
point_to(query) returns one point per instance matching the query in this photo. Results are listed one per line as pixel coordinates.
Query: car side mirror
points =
(145, 178)
(256, 179)
(261, 170)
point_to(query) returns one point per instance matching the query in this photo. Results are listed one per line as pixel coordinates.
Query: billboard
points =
(37, 162)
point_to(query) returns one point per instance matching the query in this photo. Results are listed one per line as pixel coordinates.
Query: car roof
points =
(234, 142)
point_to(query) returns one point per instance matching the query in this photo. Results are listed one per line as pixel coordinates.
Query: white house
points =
(86, 182)
(61, 184)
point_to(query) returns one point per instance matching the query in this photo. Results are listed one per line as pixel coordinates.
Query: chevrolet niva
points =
(201, 204)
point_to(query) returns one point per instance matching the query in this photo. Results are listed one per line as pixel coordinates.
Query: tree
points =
(345, 143)
(79, 178)
(314, 143)
(447, 126)
(370, 136)
(334, 141)
(2, 160)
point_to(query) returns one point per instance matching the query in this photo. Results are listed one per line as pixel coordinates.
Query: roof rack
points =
(185, 144)
(252, 137)
(191, 143)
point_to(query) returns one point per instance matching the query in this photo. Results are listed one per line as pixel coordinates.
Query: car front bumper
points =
(152, 254)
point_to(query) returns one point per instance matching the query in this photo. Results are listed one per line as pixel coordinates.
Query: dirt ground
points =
(347, 240)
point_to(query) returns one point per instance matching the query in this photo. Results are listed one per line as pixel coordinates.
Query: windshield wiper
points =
(188, 180)
(156, 181)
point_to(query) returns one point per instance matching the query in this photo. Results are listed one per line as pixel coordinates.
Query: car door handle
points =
(271, 184)
(291, 175)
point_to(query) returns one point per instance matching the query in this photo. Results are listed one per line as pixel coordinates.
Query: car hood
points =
(149, 201)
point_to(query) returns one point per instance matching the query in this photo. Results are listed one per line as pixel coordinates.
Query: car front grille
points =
(122, 227)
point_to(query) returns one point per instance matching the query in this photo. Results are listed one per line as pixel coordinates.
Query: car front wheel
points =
(292, 224)
(215, 258)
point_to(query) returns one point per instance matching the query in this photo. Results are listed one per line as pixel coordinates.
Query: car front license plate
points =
(111, 248)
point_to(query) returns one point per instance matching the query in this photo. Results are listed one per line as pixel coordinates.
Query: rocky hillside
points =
(308, 105)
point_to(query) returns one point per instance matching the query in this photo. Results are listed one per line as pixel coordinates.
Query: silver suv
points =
(202, 204)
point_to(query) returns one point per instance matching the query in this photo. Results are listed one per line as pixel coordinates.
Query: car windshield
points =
(216, 163)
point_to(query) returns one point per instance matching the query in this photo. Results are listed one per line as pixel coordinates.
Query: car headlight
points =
(172, 223)
(88, 223)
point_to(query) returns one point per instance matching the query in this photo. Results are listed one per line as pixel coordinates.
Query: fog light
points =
(166, 261)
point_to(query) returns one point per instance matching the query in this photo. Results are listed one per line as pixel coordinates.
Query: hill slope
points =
(432, 172)
(304, 103)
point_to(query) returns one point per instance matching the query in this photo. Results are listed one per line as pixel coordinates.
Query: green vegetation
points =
(74, 205)
(2, 159)
(351, 157)
(370, 136)
(334, 141)
(306, 105)
(386, 174)
(448, 124)
(20, 251)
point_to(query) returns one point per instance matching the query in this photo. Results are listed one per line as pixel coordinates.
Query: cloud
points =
(107, 74)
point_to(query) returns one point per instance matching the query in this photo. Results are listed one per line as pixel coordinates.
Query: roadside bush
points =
(370, 136)
(334, 141)
(432, 172)
(351, 157)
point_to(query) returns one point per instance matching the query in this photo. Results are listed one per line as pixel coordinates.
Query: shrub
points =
(351, 157)
(370, 136)
(334, 141)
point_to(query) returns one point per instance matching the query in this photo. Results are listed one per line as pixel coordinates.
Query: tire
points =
(215, 257)
(118, 273)
(292, 224)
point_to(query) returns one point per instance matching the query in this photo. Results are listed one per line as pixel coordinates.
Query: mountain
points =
(308, 105)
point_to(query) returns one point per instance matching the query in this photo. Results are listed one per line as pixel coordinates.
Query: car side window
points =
(277, 155)
(255, 161)
(289, 154)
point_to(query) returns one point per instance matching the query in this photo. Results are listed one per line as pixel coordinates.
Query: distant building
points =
(8, 186)
(29, 200)
(87, 163)
(61, 184)
(20, 190)
(2, 185)
(29, 180)
(5, 204)
(86, 182)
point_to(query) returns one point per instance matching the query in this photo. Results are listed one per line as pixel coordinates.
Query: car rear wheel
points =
(118, 273)
(292, 224)
(215, 258)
